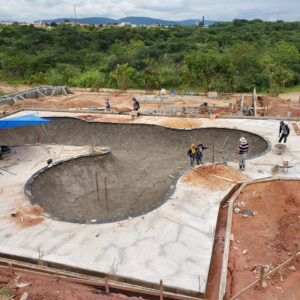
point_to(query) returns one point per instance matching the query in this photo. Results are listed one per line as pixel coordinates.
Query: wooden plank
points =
(196, 170)
(264, 276)
(223, 178)
(98, 282)
(222, 289)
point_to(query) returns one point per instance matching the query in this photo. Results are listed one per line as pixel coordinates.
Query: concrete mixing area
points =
(137, 211)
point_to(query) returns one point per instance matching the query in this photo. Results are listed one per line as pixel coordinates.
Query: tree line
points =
(226, 57)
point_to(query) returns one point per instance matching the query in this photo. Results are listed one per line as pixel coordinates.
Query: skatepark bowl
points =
(132, 179)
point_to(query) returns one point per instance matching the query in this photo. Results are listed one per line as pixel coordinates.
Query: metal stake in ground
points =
(97, 185)
(106, 200)
(213, 151)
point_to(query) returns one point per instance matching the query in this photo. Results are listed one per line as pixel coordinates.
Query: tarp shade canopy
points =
(27, 120)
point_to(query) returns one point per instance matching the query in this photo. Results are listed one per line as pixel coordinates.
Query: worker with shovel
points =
(192, 154)
(199, 153)
(242, 151)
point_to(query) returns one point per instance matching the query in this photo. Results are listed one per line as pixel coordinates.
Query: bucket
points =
(279, 148)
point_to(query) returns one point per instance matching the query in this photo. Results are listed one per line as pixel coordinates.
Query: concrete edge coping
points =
(269, 144)
(225, 260)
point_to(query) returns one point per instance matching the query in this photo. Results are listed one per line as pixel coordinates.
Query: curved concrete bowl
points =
(137, 171)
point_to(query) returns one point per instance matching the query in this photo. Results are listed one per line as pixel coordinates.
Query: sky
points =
(222, 10)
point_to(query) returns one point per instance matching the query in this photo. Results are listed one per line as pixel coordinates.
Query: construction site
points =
(104, 204)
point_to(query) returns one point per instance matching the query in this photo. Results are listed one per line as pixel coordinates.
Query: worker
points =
(136, 104)
(242, 151)
(199, 153)
(247, 111)
(107, 105)
(192, 154)
(284, 131)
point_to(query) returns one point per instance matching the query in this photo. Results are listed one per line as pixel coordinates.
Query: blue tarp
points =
(22, 121)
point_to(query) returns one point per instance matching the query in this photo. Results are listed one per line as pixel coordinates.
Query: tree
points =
(280, 77)
(204, 65)
(285, 54)
(122, 75)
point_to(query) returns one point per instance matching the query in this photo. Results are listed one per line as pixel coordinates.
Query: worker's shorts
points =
(242, 160)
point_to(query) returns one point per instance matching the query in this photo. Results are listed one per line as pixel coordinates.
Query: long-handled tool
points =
(223, 145)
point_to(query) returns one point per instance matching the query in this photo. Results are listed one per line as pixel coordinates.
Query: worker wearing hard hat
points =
(192, 154)
(242, 151)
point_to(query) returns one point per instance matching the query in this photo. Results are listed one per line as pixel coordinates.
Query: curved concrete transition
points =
(137, 170)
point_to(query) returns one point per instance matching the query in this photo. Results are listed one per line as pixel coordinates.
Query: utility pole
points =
(75, 14)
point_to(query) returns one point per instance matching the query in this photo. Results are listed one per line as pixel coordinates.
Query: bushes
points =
(93, 79)
(228, 56)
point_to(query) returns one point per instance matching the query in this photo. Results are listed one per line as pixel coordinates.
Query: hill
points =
(132, 20)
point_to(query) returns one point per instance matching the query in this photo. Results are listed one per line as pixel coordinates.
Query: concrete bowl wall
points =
(137, 170)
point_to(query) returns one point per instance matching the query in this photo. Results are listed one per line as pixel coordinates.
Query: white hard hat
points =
(243, 140)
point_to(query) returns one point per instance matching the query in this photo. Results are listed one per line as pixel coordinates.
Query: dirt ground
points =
(121, 101)
(43, 287)
(213, 176)
(268, 237)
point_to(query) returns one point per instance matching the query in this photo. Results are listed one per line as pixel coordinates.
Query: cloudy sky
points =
(28, 10)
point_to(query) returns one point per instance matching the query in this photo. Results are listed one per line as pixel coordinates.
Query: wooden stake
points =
(56, 276)
(97, 185)
(261, 278)
(161, 290)
(213, 152)
(11, 269)
(106, 285)
(295, 252)
(106, 201)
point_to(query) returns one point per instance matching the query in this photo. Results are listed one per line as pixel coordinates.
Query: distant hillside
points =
(132, 20)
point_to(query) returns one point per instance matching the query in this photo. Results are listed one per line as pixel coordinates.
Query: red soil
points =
(207, 177)
(43, 287)
(269, 238)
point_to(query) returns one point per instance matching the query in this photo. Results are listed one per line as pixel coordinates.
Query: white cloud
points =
(172, 10)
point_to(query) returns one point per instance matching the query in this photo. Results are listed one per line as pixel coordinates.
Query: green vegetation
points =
(292, 89)
(5, 292)
(227, 57)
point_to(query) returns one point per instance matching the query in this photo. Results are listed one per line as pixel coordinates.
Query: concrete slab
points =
(173, 242)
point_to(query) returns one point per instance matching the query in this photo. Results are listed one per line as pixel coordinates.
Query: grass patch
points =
(6, 293)
(4, 94)
(292, 89)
